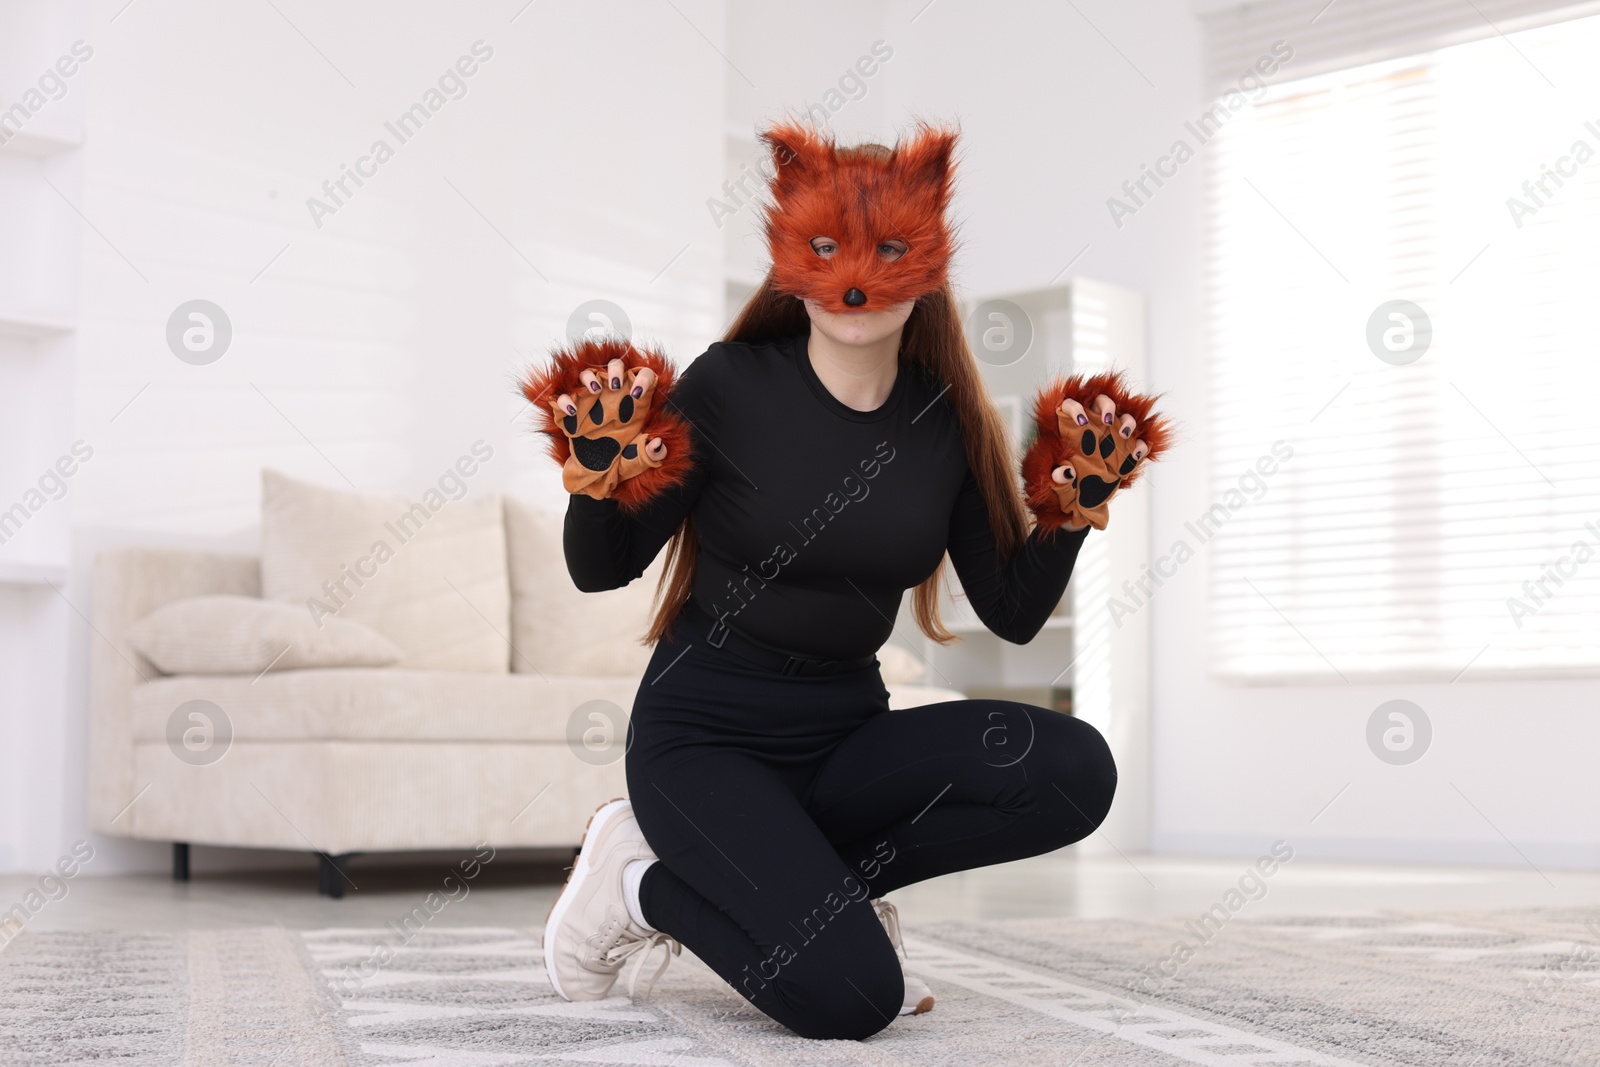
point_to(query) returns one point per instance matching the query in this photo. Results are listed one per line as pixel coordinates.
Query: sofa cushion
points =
(428, 574)
(248, 635)
(359, 704)
(555, 628)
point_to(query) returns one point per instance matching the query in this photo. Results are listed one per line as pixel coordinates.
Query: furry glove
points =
(1093, 438)
(601, 403)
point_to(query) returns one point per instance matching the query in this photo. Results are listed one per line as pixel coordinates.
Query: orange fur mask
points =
(860, 198)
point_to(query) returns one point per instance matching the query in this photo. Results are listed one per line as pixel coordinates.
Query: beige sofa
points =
(340, 761)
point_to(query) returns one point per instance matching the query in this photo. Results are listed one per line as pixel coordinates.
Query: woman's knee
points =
(1079, 773)
(846, 998)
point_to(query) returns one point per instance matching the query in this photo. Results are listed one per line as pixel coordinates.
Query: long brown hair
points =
(933, 340)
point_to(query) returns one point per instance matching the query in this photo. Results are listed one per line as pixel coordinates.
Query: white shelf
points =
(32, 573)
(42, 140)
(33, 325)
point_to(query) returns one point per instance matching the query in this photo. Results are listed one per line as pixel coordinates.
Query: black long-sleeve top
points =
(813, 518)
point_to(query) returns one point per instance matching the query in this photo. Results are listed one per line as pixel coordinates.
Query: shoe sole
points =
(575, 878)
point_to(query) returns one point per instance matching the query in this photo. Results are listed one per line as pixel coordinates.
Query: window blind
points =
(1329, 35)
(1438, 516)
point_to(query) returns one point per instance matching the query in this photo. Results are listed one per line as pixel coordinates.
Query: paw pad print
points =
(1104, 459)
(1108, 448)
(605, 422)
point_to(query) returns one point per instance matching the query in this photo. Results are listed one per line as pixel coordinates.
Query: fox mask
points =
(859, 228)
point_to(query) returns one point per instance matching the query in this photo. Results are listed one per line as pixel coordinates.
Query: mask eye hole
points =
(892, 249)
(824, 246)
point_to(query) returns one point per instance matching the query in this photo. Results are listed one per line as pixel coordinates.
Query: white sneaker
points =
(919, 998)
(588, 935)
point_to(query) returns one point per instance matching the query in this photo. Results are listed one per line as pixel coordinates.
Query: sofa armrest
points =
(128, 584)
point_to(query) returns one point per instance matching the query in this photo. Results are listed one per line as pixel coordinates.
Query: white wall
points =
(375, 349)
(387, 338)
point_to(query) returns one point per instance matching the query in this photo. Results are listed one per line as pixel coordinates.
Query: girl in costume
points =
(828, 455)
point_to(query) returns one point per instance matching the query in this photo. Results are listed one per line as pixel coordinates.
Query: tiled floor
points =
(515, 892)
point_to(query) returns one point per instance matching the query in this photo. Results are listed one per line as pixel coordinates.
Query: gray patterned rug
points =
(1469, 990)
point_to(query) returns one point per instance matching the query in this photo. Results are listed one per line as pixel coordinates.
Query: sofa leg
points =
(180, 861)
(330, 874)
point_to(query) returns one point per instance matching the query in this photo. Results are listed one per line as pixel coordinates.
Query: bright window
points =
(1438, 518)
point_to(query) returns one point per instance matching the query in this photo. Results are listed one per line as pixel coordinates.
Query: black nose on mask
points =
(855, 298)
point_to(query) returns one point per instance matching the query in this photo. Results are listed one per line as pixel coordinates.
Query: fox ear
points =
(928, 156)
(797, 151)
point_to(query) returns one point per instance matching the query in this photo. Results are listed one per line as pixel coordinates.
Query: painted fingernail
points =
(1127, 431)
(572, 409)
(638, 391)
(594, 387)
(1108, 418)
(616, 383)
(1083, 420)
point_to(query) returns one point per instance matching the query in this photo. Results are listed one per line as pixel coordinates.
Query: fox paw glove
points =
(1093, 439)
(600, 403)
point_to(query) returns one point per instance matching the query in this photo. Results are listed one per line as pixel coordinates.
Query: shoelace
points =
(889, 915)
(643, 947)
(614, 944)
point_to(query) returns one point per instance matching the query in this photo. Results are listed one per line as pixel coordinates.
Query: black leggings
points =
(780, 804)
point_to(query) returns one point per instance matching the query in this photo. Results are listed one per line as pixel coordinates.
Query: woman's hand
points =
(1108, 450)
(607, 420)
(1094, 436)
